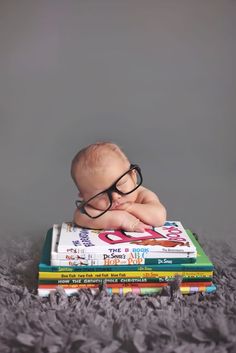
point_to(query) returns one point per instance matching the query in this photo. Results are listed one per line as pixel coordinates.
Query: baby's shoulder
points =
(145, 195)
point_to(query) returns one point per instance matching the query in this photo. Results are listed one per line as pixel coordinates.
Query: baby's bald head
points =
(93, 158)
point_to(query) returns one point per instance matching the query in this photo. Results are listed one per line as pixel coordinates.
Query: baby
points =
(110, 191)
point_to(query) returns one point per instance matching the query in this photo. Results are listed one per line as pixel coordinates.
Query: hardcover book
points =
(118, 278)
(44, 292)
(73, 245)
(202, 263)
(118, 273)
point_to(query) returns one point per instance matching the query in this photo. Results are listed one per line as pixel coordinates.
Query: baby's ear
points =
(80, 195)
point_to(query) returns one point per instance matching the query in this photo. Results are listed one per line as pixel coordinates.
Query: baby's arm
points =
(148, 208)
(114, 219)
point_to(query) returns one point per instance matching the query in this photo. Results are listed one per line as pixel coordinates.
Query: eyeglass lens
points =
(125, 185)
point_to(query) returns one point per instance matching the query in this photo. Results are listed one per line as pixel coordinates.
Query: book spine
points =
(125, 248)
(121, 285)
(202, 289)
(155, 285)
(127, 274)
(78, 286)
(137, 253)
(148, 291)
(174, 267)
(73, 261)
(44, 292)
(120, 280)
(86, 286)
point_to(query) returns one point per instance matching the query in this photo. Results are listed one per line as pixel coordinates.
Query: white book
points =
(45, 292)
(168, 241)
(139, 257)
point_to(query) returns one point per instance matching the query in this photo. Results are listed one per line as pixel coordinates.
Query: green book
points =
(130, 281)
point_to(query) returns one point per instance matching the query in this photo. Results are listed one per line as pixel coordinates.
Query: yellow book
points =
(127, 274)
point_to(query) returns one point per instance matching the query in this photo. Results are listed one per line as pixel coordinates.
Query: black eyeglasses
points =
(124, 185)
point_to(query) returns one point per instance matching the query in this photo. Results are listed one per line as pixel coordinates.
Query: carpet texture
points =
(86, 323)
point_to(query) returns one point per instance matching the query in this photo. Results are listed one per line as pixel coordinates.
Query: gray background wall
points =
(156, 77)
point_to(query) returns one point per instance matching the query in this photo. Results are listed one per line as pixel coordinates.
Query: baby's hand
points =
(126, 206)
(132, 224)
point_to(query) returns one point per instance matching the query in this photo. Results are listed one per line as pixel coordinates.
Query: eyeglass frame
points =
(80, 204)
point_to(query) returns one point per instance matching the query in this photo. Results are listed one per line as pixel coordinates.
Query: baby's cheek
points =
(101, 205)
(132, 197)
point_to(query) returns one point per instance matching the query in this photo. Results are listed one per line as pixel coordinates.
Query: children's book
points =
(146, 278)
(123, 285)
(124, 274)
(112, 257)
(127, 281)
(202, 263)
(154, 290)
(44, 292)
(77, 246)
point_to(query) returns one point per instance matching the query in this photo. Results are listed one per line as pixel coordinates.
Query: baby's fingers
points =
(133, 224)
(148, 226)
(140, 227)
(137, 226)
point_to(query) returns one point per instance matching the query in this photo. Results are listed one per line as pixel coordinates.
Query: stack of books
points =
(122, 262)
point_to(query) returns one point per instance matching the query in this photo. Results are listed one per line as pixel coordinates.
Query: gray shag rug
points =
(86, 323)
